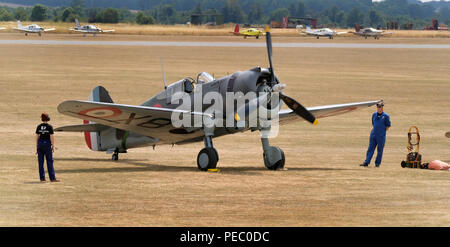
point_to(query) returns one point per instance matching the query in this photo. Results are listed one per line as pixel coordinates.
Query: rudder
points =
(93, 140)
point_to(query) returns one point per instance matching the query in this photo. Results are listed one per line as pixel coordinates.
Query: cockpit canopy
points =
(204, 77)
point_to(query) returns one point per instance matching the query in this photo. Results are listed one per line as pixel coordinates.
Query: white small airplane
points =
(370, 32)
(323, 32)
(33, 28)
(88, 29)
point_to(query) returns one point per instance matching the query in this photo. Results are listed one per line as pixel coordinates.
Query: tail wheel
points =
(207, 159)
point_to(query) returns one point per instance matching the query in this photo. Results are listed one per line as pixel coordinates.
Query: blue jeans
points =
(45, 150)
(378, 142)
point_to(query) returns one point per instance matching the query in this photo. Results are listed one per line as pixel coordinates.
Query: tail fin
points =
(99, 94)
(308, 27)
(236, 28)
(357, 28)
(19, 24)
(77, 23)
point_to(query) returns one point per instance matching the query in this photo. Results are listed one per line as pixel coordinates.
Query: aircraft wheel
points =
(271, 165)
(257, 37)
(26, 34)
(115, 156)
(207, 159)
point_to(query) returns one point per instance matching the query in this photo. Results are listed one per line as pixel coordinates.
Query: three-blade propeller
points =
(290, 102)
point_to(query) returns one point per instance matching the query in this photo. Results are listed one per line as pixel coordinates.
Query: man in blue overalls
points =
(381, 123)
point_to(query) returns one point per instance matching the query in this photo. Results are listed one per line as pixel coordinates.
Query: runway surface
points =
(222, 44)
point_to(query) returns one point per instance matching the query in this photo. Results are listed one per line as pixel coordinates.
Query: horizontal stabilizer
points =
(93, 127)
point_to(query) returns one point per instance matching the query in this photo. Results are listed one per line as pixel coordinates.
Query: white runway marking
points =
(223, 44)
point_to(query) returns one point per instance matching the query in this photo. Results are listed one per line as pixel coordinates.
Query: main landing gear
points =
(273, 156)
(208, 157)
(115, 155)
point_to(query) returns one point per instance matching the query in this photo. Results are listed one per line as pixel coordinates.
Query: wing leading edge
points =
(287, 116)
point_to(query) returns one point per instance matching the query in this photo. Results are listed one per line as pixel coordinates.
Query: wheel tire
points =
(278, 165)
(115, 157)
(207, 159)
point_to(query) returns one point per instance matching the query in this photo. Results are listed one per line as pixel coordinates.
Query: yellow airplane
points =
(247, 32)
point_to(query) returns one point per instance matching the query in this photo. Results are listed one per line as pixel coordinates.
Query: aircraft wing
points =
(21, 29)
(49, 29)
(154, 122)
(447, 134)
(287, 116)
(2, 28)
(78, 30)
(91, 127)
(108, 31)
(339, 33)
(383, 34)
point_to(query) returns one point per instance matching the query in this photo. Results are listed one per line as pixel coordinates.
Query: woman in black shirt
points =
(45, 144)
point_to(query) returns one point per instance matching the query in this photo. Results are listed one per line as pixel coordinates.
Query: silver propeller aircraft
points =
(370, 32)
(323, 32)
(114, 128)
(33, 28)
(88, 29)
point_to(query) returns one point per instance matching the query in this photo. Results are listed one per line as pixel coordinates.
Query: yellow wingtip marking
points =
(316, 122)
(236, 117)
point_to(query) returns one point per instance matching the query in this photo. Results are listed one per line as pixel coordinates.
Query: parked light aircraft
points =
(323, 32)
(252, 32)
(33, 28)
(370, 32)
(114, 128)
(88, 29)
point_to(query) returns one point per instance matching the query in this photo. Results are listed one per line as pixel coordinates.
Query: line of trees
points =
(332, 13)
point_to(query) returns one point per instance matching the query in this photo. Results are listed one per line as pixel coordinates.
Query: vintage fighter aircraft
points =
(88, 29)
(33, 28)
(252, 32)
(116, 127)
(370, 32)
(323, 32)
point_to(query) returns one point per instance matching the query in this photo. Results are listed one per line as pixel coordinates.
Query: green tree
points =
(78, 6)
(256, 13)
(354, 17)
(39, 13)
(143, 19)
(232, 12)
(5, 15)
(278, 14)
(375, 18)
(68, 12)
(20, 14)
(301, 9)
(108, 15)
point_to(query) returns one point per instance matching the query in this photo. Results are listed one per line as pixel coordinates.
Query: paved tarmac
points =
(223, 44)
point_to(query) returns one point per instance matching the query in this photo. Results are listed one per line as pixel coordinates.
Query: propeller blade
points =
(269, 52)
(299, 109)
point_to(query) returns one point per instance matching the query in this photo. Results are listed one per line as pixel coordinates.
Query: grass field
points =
(322, 186)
